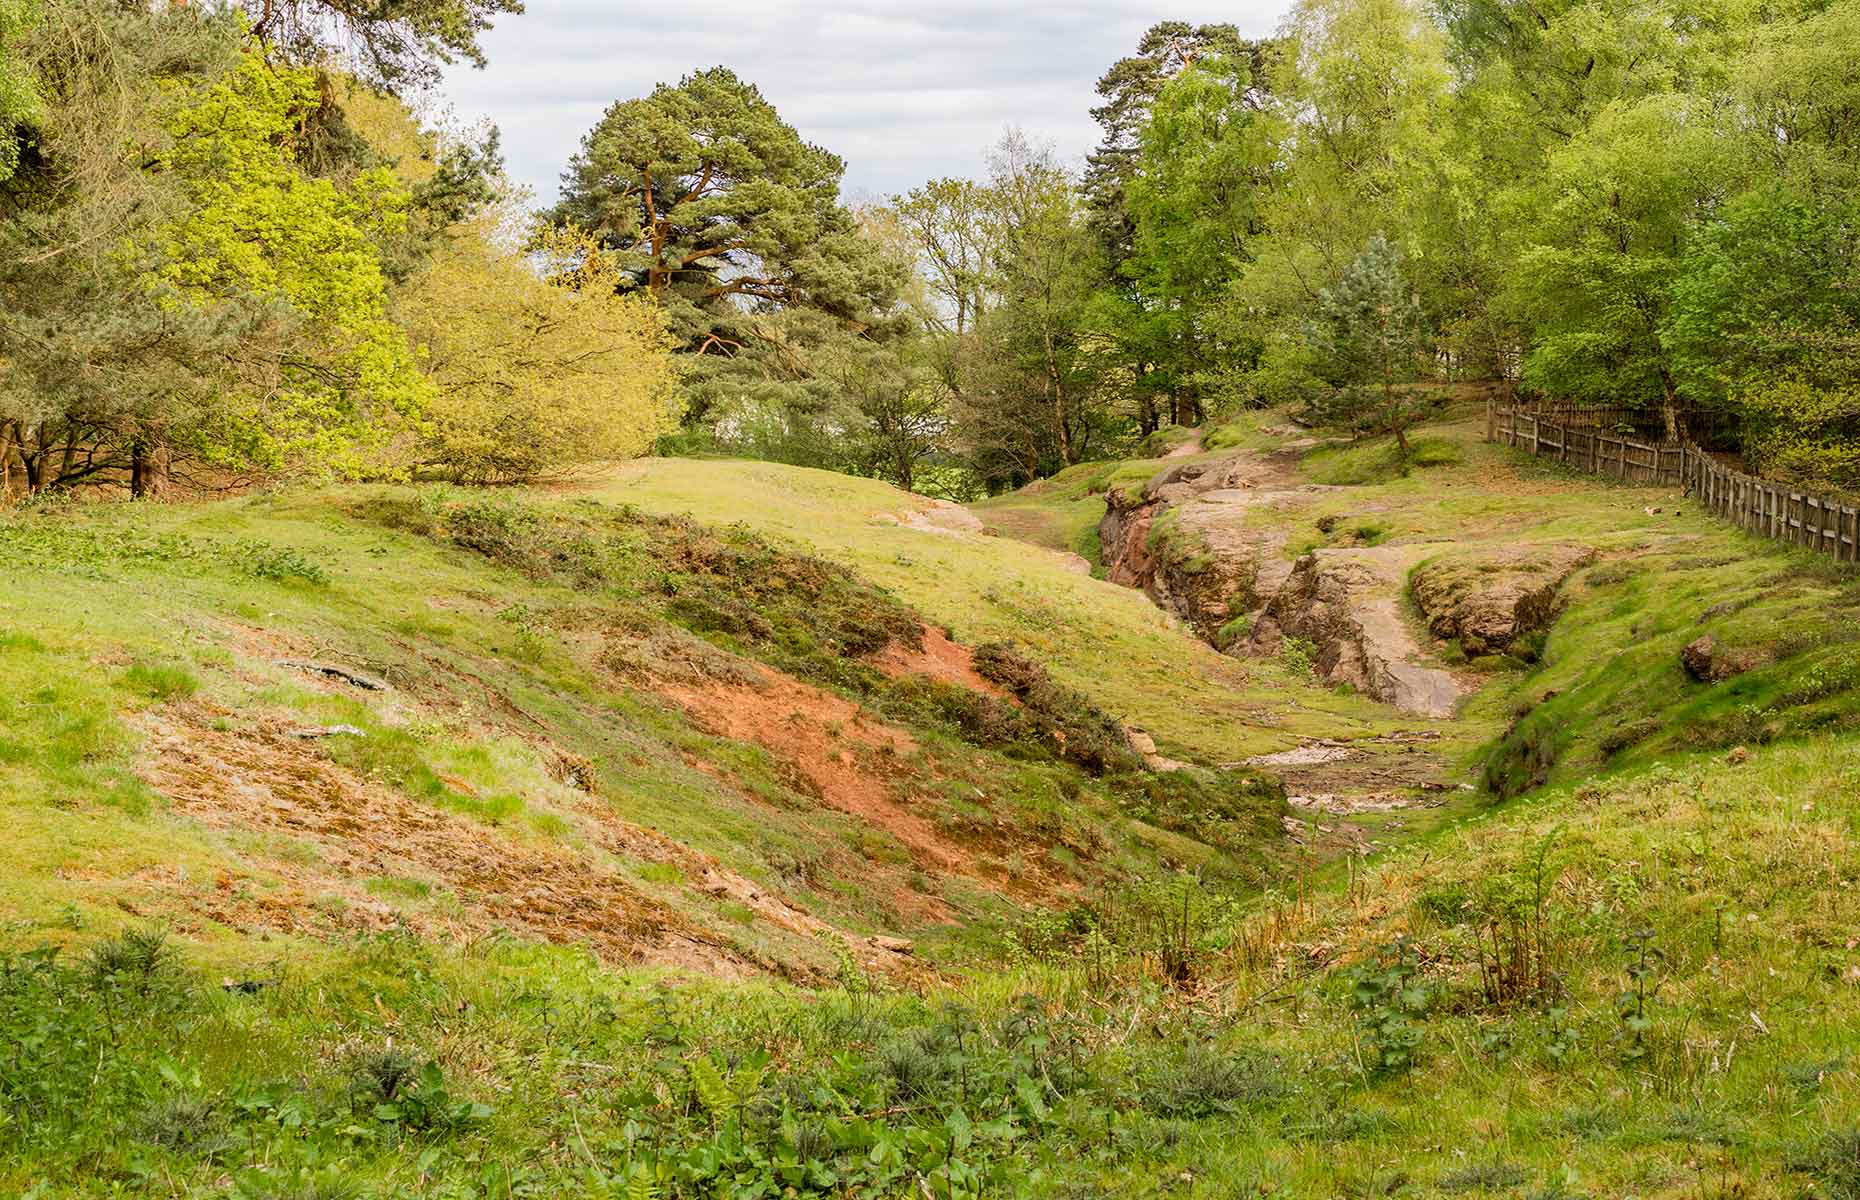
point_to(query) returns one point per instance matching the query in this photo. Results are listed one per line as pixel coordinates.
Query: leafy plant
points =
(1392, 1002)
(1632, 1005)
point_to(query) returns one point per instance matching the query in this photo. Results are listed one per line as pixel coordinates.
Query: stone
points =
(1696, 658)
(1489, 598)
(1344, 602)
(1708, 662)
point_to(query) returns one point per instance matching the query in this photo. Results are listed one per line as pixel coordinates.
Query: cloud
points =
(902, 92)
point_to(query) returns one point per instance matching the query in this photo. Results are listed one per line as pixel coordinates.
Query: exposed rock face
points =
(1182, 538)
(1488, 597)
(1708, 662)
(1345, 602)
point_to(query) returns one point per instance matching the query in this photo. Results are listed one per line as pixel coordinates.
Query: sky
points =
(902, 90)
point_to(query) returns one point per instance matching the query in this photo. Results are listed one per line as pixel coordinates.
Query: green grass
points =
(1137, 663)
(1079, 1071)
(1637, 979)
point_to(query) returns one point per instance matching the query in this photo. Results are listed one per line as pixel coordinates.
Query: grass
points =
(1636, 977)
(1137, 662)
(563, 1075)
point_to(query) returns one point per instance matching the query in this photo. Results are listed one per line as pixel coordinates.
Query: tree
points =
(1763, 321)
(534, 373)
(20, 103)
(1764, 326)
(348, 389)
(1129, 89)
(1046, 269)
(95, 355)
(950, 224)
(397, 45)
(902, 399)
(716, 207)
(1353, 136)
(1194, 202)
(1367, 332)
(1593, 283)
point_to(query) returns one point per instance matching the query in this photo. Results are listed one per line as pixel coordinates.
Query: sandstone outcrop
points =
(1346, 604)
(1183, 539)
(1489, 597)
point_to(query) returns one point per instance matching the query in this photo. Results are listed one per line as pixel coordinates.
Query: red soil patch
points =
(856, 764)
(266, 780)
(847, 758)
(940, 659)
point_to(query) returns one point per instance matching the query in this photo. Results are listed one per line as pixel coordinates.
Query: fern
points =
(712, 1091)
(639, 1186)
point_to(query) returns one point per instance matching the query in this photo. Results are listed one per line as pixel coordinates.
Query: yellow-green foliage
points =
(536, 375)
(19, 96)
(349, 389)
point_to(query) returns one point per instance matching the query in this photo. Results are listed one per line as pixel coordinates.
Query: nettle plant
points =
(1392, 1002)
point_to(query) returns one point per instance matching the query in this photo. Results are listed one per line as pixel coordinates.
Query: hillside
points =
(713, 827)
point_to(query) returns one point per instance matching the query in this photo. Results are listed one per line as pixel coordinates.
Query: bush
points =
(1068, 724)
(537, 374)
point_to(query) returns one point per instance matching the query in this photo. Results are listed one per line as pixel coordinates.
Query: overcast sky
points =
(903, 90)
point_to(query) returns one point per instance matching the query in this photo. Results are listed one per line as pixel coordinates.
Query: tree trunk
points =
(1147, 419)
(1669, 407)
(138, 470)
(1062, 418)
(901, 460)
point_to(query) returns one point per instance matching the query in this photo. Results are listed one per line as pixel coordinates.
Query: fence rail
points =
(1770, 509)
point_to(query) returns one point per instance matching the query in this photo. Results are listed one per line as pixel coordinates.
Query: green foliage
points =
(20, 102)
(402, 46)
(1392, 1002)
(1366, 330)
(1764, 320)
(260, 230)
(717, 209)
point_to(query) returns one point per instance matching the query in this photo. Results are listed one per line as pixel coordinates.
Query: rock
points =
(1488, 598)
(1344, 602)
(1708, 662)
(1139, 741)
(1413, 689)
(894, 945)
(367, 683)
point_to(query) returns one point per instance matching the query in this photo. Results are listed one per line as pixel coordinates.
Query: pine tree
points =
(1367, 331)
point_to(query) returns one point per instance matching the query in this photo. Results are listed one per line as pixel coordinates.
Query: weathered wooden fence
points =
(1770, 509)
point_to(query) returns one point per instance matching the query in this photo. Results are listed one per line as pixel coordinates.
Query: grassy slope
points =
(1137, 662)
(1729, 1075)
(127, 629)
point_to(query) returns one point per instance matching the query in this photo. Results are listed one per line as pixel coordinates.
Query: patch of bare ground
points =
(868, 770)
(940, 659)
(936, 516)
(266, 780)
(1329, 782)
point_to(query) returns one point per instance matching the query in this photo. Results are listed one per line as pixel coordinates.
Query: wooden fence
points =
(1775, 511)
